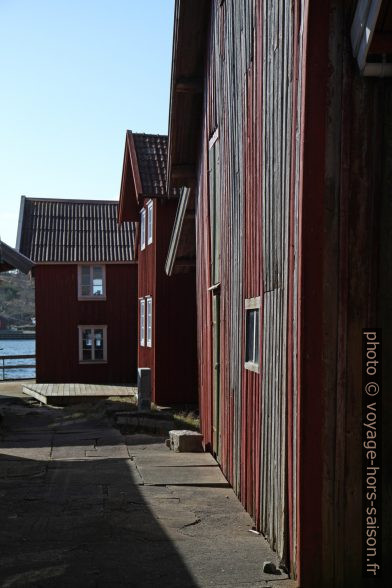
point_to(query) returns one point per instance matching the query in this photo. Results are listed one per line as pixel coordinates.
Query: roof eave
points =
(191, 19)
(128, 209)
(12, 259)
(137, 183)
(184, 222)
(20, 222)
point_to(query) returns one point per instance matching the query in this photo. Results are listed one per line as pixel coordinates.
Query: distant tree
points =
(17, 298)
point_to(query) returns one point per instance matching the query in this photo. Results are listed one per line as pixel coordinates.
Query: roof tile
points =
(69, 231)
(151, 153)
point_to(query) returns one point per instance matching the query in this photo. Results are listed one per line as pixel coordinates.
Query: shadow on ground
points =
(83, 523)
(82, 505)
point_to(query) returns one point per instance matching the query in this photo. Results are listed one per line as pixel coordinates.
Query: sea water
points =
(17, 347)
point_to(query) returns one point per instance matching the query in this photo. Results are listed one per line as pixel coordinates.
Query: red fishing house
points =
(85, 289)
(167, 307)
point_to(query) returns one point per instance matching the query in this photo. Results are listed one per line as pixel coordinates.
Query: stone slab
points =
(182, 476)
(169, 458)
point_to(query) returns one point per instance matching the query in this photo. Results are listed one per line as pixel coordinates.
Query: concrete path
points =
(83, 506)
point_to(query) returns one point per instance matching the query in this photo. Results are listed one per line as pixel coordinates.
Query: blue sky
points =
(75, 74)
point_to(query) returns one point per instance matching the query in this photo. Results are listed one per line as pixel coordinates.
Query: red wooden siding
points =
(304, 157)
(310, 304)
(147, 287)
(259, 196)
(252, 270)
(172, 357)
(58, 314)
(358, 136)
(204, 309)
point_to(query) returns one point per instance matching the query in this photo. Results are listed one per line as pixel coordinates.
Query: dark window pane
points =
(85, 271)
(98, 353)
(97, 272)
(98, 344)
(252, 336)
(249, 335)
(86, 354)
(256, 344)
(87, 340)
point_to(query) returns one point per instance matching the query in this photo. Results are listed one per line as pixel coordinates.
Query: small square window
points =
(91, 282)
(142, 318)
(92, 343)
(149, 321)
(143, 229)
(150, 210)
(252, 334)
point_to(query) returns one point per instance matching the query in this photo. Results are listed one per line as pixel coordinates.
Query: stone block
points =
(186, 441)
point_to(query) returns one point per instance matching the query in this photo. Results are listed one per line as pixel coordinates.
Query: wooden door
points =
(215, 260)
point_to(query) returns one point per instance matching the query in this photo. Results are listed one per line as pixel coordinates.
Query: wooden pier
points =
(64, 393)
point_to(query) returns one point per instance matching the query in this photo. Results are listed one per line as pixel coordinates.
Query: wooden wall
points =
(58, 314)
(147, 287)
(357, 216)
(252, 50)
(172, 357)
(293, 189)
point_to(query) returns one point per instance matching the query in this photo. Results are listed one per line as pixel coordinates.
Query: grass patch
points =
(184, 419)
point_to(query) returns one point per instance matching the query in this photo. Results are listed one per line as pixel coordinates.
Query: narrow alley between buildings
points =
(83, 505)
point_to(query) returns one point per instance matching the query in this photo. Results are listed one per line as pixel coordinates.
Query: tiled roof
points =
(151, 154)
(12, 259)
(69, 231)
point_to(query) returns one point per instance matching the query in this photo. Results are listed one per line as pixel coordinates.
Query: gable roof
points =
(71, 231)
(144, 172)
(11, 259)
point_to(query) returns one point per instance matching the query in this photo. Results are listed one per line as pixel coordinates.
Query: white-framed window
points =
(149, 321)
(150, 211)
(252, 334)
(143, 229)
(92, 343)
(142, 319)
(91, 282)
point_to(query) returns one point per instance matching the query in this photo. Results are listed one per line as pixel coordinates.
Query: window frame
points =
(91, 295)
(142, 229)
(253, 365)
(142, 323)
(94, 328)
(150, 221)
(148, 321)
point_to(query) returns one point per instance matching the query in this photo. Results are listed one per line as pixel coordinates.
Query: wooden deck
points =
(57, 392)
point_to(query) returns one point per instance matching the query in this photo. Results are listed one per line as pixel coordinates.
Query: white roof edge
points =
(362, 30)
(20, 222)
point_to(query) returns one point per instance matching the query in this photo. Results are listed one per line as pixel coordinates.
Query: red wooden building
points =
(167, 307)
(284, 149)
(85, 288)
